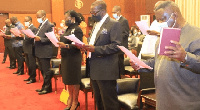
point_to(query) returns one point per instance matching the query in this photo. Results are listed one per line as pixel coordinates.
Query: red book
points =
(166, 35)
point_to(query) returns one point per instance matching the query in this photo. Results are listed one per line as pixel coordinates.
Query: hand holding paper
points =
(132, 57)
(168, 34)
(143, 26)
(52, 37)
(29, 33)
(73, 38)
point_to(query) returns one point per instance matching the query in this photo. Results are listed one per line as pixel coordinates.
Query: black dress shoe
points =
(12, 67)
(39, 90)
(27, 79)
(31, 81)
(67, 108)
(3, 62)
(43, 92)
(16, 72)
(20, 73)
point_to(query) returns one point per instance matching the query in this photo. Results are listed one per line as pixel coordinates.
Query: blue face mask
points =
(39, 20)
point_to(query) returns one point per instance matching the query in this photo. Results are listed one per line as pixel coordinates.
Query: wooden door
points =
(3, 17)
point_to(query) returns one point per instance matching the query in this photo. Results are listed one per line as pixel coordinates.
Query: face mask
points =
(27, 24)
(96, 18)
(68, 22)
(164, 24)
(115, 16)
(39, 20)
(61, 25)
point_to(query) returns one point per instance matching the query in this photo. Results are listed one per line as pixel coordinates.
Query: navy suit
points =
(43, 51)
(29, 51)
(104, 65)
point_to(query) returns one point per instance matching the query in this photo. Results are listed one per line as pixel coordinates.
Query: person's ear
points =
(175, 14)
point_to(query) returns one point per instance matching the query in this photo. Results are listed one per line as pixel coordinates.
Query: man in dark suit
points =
(8, 44)
(104, 57)
(125, 33)
(43, 51)
(29, 51)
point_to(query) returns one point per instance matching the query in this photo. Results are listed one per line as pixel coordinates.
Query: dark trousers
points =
(20, 58)
(5, 54)
(31, 64)
(105, 94)
(44, 64)
(121, 63)
(11, 54)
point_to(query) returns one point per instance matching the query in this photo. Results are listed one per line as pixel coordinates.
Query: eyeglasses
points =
(94, 13)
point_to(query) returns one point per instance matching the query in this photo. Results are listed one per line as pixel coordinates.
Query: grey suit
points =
(104, 65)
(178, 84)
(125, 33)
(29, 51)
(43, 51)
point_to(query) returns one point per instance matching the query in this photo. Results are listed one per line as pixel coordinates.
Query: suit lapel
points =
(40, 30)
(103, 26)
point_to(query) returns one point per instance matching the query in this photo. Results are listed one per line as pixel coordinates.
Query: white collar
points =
(104, 18)
(119, 17)
(30, 25)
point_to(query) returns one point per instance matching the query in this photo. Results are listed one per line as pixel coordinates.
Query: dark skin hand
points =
(62, 45)
(89, 48)
(177, 52)
(152, 32)
(37, 38)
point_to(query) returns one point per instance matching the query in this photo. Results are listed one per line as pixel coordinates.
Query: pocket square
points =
(104, 31)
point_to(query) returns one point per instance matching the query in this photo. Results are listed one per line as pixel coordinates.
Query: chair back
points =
(127, 85)
(55, 63)
(146, 80)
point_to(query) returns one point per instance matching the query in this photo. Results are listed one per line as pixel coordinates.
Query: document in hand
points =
(52, 37)
(15, 31)
(134, 58)
(73, 38)
(29, 33)
(143, 26)
(166, 35)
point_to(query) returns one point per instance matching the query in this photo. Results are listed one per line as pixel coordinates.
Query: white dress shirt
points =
(95, 31)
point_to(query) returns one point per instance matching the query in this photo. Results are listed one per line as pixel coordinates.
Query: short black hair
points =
(81, 17)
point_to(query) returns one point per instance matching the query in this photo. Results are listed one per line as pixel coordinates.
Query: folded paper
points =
(134, 58)
(73, 38)
(29, 33)
(52, 37)
(143, 26)
(15, 31)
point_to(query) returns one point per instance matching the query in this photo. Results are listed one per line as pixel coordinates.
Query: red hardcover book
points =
(166, 35)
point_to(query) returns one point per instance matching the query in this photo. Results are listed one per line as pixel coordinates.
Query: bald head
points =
(100, 4)
(117, 8)
(157, 4)
(7, 22)
(169, 12)
(41, 12)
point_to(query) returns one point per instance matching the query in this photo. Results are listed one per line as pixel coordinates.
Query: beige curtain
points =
(190, 10)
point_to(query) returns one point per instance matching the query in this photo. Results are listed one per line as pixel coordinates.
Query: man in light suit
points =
(104, 57)
(43, 51)
(125, 33)
(29, 51)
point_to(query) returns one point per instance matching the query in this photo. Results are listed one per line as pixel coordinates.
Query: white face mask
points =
(61, 25)
(115, 16)
(27, 24)
(39, 20)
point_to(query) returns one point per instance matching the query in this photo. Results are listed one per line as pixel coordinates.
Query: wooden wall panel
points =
(57, 11)
(81, 6)
(24, 6)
